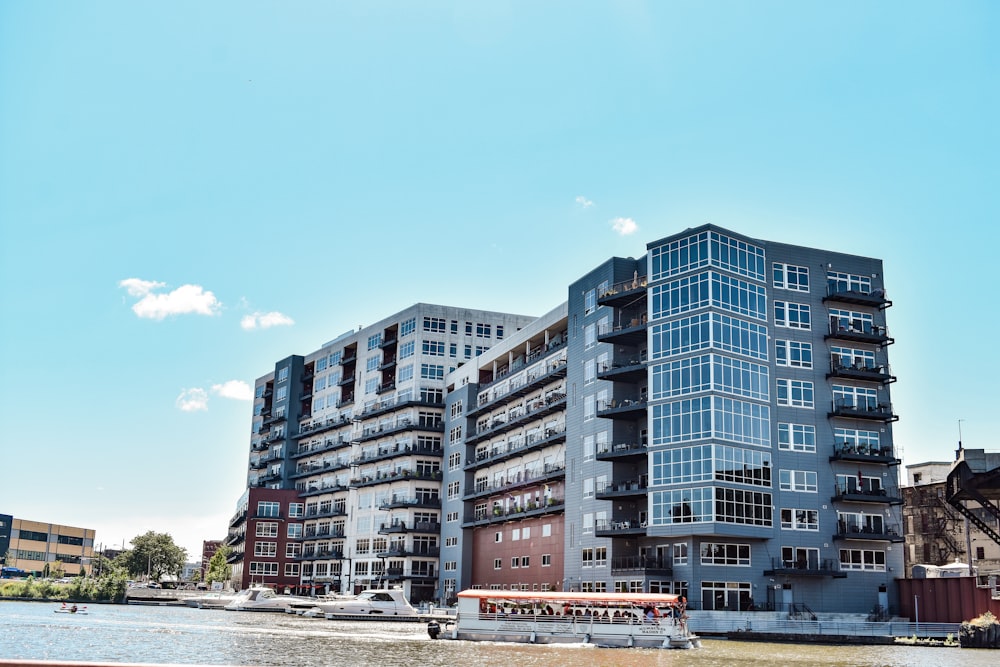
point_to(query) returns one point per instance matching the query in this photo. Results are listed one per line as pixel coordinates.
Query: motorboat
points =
(214, 600)
(648, 620)
(381, 603)
(262, 598)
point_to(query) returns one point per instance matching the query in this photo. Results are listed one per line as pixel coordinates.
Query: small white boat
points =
(216, 600)
(262, 598)
(648, 620)
(383, 603)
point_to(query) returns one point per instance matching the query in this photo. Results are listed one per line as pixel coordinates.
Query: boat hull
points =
(561, 632)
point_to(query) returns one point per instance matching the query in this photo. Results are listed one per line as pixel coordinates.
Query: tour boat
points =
(262, 598)
(383, 603)
(650, 620)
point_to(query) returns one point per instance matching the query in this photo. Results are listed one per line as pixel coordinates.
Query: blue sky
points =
(190, 191)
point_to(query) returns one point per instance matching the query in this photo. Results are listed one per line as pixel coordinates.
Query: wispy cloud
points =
(624, 226)
(192, 400)
(238, 390)
(156, 305)
(583, 202)
(266, 320)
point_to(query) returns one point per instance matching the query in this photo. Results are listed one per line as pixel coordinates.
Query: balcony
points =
(622, 451)
(328, 445)
(314, 467)
(401, 526)
(874, 298)
(632, 370)
(550, 471)
(805, 567)
(403, 551)
(346, 380)
(868, 410)
(335, 531)
(387, 363)
(620, 528)
(860, 371)
(863, 453)
(534, 410)
(394, 451)
(318, 426)
(611, 490)
(394, 404)
(627, 408)
(632, 332)
(500, 515)
(334, 510)
(641, 566)
(425, 576)
(507, 450)
(876, 533)
(849, 493)
(317, 489)
(349, 357)
(623, 293)
(325, 554)
(385, 387)
(376, 431)
(518, 387)
(388, 340)
(418, 502)
(859, 332)
(396, 476)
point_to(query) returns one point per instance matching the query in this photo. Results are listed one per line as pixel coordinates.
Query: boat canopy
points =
(637, 599)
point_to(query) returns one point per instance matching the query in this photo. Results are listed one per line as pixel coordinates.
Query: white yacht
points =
(262, 598)
(381, 603)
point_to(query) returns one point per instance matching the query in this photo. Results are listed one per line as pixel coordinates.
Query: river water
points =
(181, 635)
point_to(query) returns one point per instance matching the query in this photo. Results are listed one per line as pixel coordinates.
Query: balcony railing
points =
(863, 453)
(860, 370)
(626, 408)
(397, 450)
(620, 527)
(504, 450)
(875, 298)
(500, 514)
(859, 332)
(553, 370)
(634, 487)
(622, 292)
(851, 493)
(860, 409)
(885, 532)
(402, 526)
(807, 566)
(621, 450)
(533, 477)
(534, 410)
(641, 564)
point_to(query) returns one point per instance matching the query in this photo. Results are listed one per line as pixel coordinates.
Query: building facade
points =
(506, 464)
(356, 430)
(38, 548)
(729, 427)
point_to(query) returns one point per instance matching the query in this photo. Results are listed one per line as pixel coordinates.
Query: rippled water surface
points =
(118, 633)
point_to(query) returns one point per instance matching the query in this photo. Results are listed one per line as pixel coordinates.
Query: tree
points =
(218, 568)
(154, 554)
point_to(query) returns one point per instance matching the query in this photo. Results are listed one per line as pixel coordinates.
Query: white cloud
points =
(138, 287)
(584, 202)
(624, 226)
(192, 400)
(156, 306)
(266, 320)
(237, 390)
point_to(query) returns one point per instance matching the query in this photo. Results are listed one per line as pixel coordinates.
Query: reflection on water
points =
(29, 630)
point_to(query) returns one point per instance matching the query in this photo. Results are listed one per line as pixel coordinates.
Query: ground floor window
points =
(729, 595)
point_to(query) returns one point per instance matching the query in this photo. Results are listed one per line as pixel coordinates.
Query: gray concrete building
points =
(729, 427)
